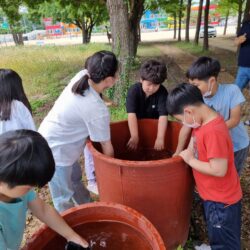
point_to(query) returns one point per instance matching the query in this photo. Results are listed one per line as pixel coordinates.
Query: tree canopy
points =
(84, 14)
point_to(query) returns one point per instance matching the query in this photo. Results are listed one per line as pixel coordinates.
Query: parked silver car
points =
(211, 31)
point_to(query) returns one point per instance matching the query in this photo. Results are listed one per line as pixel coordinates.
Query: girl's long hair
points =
(100, 65)
(11, 88)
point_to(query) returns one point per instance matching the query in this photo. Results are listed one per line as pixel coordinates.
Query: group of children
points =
(209, 111)
(26, 161)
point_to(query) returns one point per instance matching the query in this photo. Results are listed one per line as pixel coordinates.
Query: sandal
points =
(247, 123)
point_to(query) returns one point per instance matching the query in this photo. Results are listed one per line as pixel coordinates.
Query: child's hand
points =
(111, 104)
(78, 240)
(133, 143)
(187, 155)
(159, 144)
(242, 38)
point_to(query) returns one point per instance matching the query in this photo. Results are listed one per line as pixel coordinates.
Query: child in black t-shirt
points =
(147, 99)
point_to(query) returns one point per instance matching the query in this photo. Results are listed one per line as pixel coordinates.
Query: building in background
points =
(153, 20)
(60, 28)
(214, 15)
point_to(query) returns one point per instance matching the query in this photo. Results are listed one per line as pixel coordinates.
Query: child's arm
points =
(162, 127)
(215, 167)
(108, 101)
(52, 218)
(133, 129)
(240, 39)
(107, 148)
(235, 114)
(182, 139)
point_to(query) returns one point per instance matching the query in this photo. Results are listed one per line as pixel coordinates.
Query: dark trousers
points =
(223, 225)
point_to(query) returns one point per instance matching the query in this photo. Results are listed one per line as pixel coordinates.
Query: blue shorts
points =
(243, 77)
(223, 225)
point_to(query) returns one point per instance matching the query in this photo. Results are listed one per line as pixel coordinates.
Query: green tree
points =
(206, 15)
(11, 10)
(180, 11)
(247, 11)
(84, 14)
(2, 19)
(131, 11)
(227, 8)
(189, 3)
(198, 23)
(240, 13)
(125, 16)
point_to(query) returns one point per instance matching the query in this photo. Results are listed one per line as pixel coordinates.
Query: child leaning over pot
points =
(26, 161)
(211, 157)
(147, 99)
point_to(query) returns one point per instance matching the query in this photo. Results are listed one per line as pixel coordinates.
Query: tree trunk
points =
(175, 25)
(90, 32)
(226, 21)
(118, 13)
(240, 11)
(90, 29)
(18, 38)
(133, 34)
(180, 17)
(206, 14)
(135, 13)
(188, 20)
(246, 12)
(198, 24)
(84, 33)
(84, 36)
(14, 35)
(139, 32)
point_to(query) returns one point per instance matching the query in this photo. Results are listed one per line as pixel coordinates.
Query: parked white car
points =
(33, 35)
(211, 31)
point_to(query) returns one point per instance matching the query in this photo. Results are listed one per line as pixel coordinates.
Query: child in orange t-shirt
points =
(210, 155)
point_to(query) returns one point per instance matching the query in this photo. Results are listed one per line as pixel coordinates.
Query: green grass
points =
(148, 50)
(192, 48)
(37, 103)
(46, 70)
(118, 114)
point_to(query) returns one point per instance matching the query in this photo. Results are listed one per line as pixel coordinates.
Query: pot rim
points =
(143, 222)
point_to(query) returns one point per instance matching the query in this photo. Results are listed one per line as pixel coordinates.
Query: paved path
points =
(149, 36)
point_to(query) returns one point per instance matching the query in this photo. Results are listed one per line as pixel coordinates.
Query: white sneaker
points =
(202, 247)
(92, 187)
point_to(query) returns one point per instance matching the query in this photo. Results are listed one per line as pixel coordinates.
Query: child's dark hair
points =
(11, 88)
(184, 94)
(25, 159)
(153, 71)
(100, 65)
(204, 68)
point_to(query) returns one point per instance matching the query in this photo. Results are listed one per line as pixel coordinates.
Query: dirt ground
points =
(178, 61)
